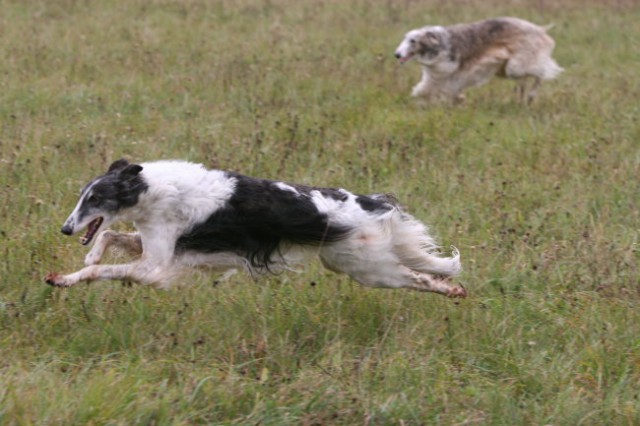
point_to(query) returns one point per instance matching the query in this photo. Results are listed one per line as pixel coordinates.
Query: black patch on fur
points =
(374, 203)
(333, 193)
(119, 188)
(259, 216)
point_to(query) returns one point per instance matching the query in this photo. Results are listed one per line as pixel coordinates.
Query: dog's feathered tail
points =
(551, 69)
(417, 250)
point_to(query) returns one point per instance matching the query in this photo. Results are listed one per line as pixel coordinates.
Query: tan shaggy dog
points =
(456, 57)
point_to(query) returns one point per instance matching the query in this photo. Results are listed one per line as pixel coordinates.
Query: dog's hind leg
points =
(385, 270)
(533, 91)
(521, 88)
(399, 276)
(527, 95)
(130, 243)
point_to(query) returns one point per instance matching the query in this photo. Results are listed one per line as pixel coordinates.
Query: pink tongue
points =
(91, 230)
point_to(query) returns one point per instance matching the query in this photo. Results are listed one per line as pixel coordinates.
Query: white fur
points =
(286, 187)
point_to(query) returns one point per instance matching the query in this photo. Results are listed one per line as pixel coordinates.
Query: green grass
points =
(542, 202)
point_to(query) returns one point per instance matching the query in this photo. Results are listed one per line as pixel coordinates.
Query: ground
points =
(541, 201)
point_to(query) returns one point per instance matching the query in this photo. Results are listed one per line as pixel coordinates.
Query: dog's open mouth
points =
(406, 58)
(92, 228)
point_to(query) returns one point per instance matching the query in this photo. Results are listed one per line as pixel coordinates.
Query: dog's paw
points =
(55, 279)
(457, 292)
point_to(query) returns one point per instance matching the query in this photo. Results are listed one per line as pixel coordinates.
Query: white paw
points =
(57, 280)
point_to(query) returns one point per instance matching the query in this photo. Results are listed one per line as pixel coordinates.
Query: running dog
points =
(457, 57)
(188, 216)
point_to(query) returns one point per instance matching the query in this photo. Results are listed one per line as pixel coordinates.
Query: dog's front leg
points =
(424, 87)
(142, 272)
(130, 243)
(90, 273)
(154, 268)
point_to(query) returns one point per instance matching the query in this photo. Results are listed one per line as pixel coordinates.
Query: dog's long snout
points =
(397, 55)
(66, 229)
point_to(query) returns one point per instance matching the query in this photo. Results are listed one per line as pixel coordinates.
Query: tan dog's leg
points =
(533, 91)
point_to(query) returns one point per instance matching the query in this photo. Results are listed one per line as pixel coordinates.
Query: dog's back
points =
(471, 42)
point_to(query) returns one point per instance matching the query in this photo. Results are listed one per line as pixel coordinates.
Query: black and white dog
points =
(188, 216)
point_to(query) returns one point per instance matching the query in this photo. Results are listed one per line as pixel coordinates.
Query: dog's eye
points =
(92, 199)
(412, 41)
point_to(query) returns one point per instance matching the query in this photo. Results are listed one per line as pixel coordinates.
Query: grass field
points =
(542, 202)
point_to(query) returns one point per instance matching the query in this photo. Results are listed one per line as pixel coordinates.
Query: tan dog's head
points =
(427, 44)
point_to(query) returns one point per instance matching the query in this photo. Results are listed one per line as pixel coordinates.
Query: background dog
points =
(188, 216)
(456, 57)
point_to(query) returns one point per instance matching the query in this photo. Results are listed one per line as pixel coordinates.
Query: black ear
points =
(117, 165)
(131, 170)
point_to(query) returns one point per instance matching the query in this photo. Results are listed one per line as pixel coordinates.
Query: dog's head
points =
(427, 44)
(104, 197)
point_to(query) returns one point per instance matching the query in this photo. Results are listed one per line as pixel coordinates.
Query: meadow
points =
(541, 201)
